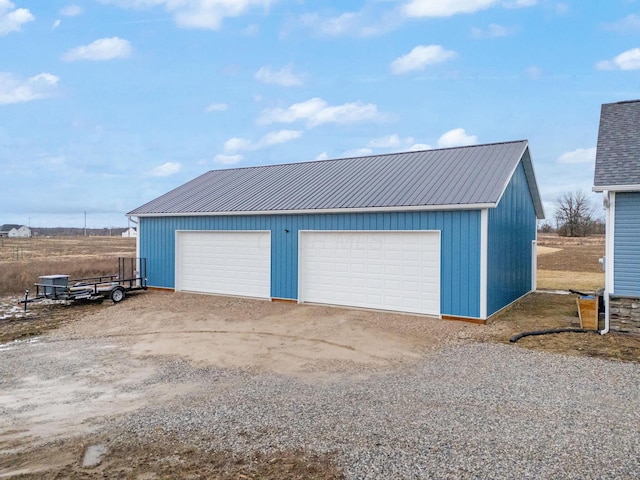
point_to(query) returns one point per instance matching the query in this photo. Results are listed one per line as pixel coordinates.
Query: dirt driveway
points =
(300, 340)
(169, 385)
(65, 384)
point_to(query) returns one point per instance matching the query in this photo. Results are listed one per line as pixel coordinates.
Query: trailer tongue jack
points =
(132, 275)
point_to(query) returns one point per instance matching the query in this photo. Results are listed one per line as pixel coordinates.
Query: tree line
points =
(575, 216)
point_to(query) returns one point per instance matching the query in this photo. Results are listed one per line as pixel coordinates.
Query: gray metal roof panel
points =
(447, 177)
(618, 151)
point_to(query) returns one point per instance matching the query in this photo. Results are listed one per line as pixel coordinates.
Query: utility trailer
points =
(132, 275)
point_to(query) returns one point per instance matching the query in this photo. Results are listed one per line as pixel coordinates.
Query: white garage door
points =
(225, 262)
(383, 270)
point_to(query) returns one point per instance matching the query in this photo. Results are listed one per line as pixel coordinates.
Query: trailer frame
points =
(132, 275)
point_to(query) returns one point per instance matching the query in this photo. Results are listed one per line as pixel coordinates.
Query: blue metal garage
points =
(448, 232)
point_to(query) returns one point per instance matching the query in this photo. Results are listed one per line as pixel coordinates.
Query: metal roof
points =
(618, 152)
(463, 177)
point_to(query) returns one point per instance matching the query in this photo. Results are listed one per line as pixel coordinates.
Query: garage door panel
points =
(385, 270)
(224, 262)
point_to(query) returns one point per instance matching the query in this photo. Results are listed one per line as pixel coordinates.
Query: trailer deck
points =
(132, 275)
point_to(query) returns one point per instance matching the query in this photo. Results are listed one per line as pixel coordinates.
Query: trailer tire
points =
(117, 295)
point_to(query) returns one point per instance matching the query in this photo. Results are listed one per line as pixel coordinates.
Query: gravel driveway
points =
(458, 409)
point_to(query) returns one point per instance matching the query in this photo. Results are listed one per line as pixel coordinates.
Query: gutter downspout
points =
(606, 200)
(138, 266)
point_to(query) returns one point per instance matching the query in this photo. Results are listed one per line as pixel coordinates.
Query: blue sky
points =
(107, 104)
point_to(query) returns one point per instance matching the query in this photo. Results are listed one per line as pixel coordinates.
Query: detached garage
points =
(447, 232)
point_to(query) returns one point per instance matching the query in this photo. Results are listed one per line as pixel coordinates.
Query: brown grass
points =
(22, 261)
(542, 311)
(580, 281)
(570, 263)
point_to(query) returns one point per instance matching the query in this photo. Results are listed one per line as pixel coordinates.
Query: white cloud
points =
(357, 152)
(520, 3)
(100, 50)
(448, 8)
(225, 159)
(444, 8)
(165, 170)
(205, 14)
(251, 30)
(421, 57)
(629, 24)
(492, 31)
(389, 141)
(56, 24)
(216, 107)
(322, 156)
(285, 77)
(456, 138)
(629, 60)
(419, 146)
(562, 8)
(12, 18)
(72, 11)
(367, 22)
(396, 142)
(317, 112)
(17, 90)
(335, 26)
(534, 72)
(276, 138)
(580, 155)
(237, 144)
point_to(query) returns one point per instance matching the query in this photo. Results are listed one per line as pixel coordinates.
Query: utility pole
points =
(85, 223)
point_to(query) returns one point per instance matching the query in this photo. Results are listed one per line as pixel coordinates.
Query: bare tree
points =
(574, 215)
(545, 227)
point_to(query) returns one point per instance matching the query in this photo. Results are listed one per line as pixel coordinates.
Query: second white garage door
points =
(225, 262)
(384, 270)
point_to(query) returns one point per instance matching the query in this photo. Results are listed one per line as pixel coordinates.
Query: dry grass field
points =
(570, 263)
(22, 260)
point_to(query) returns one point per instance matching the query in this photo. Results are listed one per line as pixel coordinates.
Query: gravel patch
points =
(467, 411)
(456, 409)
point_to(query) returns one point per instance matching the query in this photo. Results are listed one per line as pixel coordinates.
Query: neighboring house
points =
(617, 176)
(130, 232)
(447, 232)
(15, 231)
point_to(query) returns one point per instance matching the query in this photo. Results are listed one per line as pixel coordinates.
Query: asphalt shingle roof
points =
(618, 152)
(8, 226)
(462, 176)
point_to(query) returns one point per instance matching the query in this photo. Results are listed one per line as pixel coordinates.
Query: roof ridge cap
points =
(404, 152)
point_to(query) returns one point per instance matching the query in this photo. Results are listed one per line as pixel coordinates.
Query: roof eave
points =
(411, 208)
(617, 188)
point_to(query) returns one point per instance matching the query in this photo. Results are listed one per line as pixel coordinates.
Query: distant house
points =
(449, 233)
(617, 176)
(15, 231)
(130, 232)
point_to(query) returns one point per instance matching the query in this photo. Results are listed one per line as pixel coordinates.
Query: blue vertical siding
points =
(460, 248)
(511, 229)
(626, 244)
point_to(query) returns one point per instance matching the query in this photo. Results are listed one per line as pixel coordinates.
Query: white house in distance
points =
(15, 231)
(130, 232)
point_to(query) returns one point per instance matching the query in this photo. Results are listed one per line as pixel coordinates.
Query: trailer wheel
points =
(117, 295)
